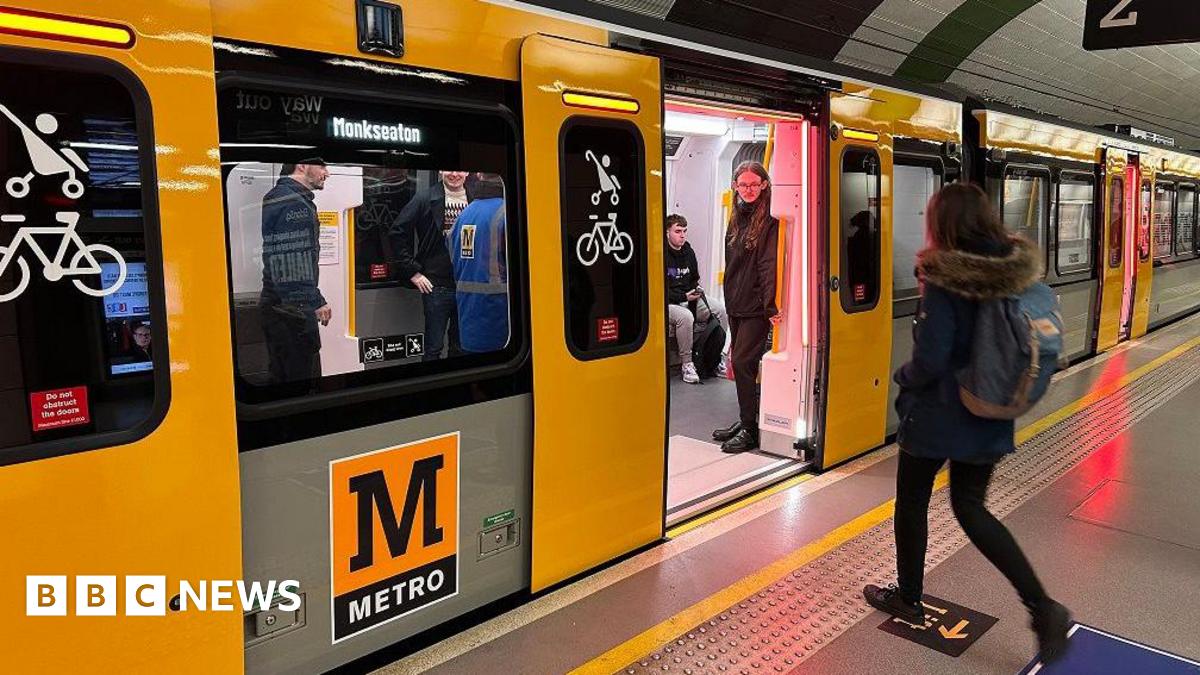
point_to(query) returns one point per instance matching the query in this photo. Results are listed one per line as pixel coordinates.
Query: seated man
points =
(686, 302)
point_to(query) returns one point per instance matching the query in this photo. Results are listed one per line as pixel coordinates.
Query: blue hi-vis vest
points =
(477, 251)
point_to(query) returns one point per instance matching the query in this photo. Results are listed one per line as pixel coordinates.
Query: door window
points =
(603, 237)
(1116, 220)
(83, 344)
(860, 225)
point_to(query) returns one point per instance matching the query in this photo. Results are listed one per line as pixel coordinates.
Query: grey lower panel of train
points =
(286, 513)
(1079, 316)
(1175, 291)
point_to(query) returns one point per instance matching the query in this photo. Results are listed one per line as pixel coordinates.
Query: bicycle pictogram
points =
(83, 262)
(605, 238)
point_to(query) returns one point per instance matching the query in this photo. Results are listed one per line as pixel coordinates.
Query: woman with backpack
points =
(969, 258)
(751, 253)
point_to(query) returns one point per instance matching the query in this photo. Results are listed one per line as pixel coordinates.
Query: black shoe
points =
(1051, 621)
(745, 439)
(722, 435)
(888, 600)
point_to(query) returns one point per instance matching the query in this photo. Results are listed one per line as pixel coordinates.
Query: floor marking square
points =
(949, 628)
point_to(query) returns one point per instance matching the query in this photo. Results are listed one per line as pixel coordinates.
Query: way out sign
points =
(948, 628)
(1109, 24)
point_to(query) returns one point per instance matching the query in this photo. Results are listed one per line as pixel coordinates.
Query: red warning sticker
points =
(378, 271)
(57, 408)
(860, 292)
(606, 329)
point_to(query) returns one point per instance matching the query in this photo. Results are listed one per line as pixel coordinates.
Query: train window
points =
(1025, 198)
(1116, 221)
(369, 239)
(1164, 219)
(1076, 198)
(915, 181)
(1185, 219)
(83, 359)
(603, 237)
(1143, 235)
(860, 190)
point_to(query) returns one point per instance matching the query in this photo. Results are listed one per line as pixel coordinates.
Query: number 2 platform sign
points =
(393, 533)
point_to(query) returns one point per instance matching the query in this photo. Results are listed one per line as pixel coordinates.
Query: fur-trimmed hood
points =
(980, 277)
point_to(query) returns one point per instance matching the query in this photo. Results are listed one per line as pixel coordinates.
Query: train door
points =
(860, 304)
(1143, 264)
(1116, 277)
(705, 142)
(116, 416)
(593, 156)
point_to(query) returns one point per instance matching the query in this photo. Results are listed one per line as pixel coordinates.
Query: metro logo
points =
(394, 538)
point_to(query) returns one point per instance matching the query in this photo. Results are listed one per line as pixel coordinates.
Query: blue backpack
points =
(1017, 346)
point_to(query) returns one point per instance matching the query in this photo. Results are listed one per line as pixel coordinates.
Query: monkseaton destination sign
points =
(367, 130)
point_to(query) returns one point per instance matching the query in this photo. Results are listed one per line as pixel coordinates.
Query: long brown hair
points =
(759, 217)
(960, 216)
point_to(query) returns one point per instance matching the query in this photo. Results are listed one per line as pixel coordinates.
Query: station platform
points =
(1101, 495)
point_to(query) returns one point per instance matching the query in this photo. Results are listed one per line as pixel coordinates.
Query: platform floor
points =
(1101, 495)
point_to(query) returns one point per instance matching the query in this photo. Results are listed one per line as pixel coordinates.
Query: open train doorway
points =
(705, 142)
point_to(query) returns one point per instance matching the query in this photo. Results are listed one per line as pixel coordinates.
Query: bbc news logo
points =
(48, 595)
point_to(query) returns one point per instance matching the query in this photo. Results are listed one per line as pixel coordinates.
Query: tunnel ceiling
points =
(1022, 52)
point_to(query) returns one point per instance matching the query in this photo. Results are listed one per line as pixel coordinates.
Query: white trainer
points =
(689, 374)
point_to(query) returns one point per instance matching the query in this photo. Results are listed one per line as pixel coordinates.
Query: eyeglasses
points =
(749, 186)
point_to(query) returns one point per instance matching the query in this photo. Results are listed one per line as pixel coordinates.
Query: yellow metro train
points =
(170, 426)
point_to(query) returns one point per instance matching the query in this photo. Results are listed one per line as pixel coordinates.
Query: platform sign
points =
(394, 517)
(948, 628)
(1096, 652)
(1110, 24)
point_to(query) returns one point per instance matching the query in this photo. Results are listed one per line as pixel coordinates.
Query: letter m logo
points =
(393, 512)
(373, 497)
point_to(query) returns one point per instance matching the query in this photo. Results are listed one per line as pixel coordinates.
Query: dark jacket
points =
(419, 241)
(291, 249)
(750, 275)
(682, 273)
(933, 421)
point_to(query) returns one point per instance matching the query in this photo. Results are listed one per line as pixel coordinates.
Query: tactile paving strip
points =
(783, 624)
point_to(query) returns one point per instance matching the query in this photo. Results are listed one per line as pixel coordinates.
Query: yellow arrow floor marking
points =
(953, 633)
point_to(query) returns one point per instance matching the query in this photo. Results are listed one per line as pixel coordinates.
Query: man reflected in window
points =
(477, 247)
(291, 304)
(419, 241)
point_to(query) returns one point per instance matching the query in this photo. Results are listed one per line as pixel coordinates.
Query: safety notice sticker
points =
(394, 517)
(59, 408)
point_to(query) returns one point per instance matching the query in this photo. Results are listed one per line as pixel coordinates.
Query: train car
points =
(368, 304)
(1114, 216)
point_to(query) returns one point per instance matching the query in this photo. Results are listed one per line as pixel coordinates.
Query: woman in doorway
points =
(751, 252)
(969, 258)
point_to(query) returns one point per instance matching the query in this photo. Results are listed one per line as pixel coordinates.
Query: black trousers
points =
(293, 348)
(749, 340)
(968, 486)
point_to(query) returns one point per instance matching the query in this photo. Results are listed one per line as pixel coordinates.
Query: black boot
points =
(888, 600)
(722, 435)
(745, 439)
(1051, 622)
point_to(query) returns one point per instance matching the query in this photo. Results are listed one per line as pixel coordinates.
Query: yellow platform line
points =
(742, 503)
(670, 628)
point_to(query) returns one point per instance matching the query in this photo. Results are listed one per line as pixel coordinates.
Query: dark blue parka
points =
(933, 421)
